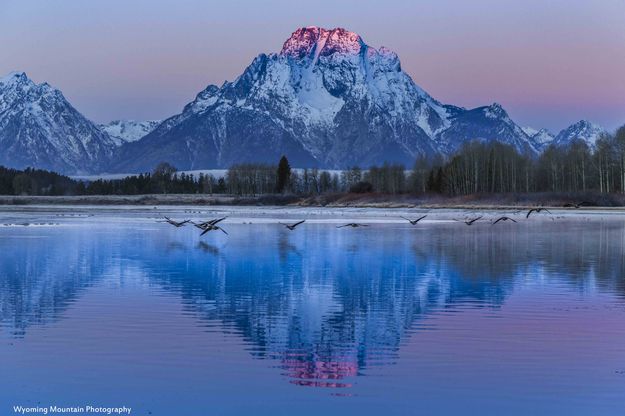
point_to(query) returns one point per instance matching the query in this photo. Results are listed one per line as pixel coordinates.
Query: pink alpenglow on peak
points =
(316, 41)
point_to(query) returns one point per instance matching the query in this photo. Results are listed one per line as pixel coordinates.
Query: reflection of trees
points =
(41, 275)
(494, 257)
(325, 304)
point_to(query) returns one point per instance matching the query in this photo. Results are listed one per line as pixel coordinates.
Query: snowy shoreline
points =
(46, 215)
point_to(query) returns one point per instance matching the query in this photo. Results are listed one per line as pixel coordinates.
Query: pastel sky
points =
(548, 62)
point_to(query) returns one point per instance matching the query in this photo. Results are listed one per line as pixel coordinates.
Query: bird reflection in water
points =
(208, 248)
(285, 247)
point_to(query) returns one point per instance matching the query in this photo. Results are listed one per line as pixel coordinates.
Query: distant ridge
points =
(126, 131)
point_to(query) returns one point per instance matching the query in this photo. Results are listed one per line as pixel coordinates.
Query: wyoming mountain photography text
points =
(301, 208)
(72, 409)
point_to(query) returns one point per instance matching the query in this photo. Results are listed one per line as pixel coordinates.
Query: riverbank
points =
(371, 200)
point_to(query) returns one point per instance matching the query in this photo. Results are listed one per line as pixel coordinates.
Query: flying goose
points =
(211, 227)
(176, 224)
(292, 226)
(203, 225)
(470, 222)
(414, 222)
(536, 210)
(504, 219)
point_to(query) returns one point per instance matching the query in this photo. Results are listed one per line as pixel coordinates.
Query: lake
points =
(108, 307)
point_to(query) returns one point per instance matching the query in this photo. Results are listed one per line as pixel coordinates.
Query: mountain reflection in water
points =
(322, 304)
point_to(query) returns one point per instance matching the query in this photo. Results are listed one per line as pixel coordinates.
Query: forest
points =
(477, 168)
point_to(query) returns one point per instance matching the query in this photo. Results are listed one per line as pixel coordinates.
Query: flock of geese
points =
(212, 225)
(205, 226)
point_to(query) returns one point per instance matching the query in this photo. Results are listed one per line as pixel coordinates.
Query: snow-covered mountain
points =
(582, 130)
(40, 128)
(126, 131)
(491, 123)
(540, 138)
(326, 99)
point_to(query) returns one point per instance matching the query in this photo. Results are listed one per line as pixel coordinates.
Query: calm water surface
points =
(113, 308)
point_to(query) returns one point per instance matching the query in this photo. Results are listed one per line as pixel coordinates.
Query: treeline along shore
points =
(480, 173)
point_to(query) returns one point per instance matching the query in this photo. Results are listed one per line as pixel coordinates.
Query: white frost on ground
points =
(90, 215)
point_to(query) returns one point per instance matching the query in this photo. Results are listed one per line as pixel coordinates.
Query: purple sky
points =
(549, 63)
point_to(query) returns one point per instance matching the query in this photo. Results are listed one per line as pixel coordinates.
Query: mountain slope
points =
(126, 131)
(326, 99)
(539, 138)
(40, 128)
(582, 130)
(490, 123)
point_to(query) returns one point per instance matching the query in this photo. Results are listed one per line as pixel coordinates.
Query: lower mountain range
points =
(325, 100)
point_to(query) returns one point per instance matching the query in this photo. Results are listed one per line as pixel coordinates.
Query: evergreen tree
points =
(440, 180)
(431, 182)
(283, 174)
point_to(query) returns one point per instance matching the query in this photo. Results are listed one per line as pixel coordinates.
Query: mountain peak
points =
(583, 124)
(45, 131)
(13, 77)
(126, 131)
(313, 40)
(582, 130)
(18, 81)
(495, 110)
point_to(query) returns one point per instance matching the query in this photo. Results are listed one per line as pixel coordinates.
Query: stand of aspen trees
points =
(478, 167)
